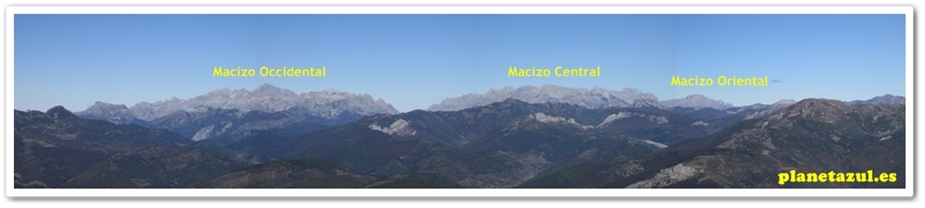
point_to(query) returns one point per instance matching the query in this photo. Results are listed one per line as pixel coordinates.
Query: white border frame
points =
(11, 11)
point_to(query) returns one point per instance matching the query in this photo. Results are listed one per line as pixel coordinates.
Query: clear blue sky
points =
(413, 61)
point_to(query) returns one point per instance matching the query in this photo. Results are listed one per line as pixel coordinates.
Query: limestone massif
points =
(545, 136)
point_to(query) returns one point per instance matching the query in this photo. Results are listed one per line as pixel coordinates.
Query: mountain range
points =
(813, 135)
(588, 98)
(330, 104)
(335, 139)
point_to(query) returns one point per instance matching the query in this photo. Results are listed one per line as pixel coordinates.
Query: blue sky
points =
(413, 61)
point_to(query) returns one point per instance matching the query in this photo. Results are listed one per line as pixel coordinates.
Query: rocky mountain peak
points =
(268, 89)
(887, 99)
(59, 113)
(104, 106)
(629, 90)
(696, 101)
(824, 109)
(785, 102)
(221, 91)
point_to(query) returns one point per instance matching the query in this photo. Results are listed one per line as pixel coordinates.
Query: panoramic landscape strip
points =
(519, 139)
(461, 101)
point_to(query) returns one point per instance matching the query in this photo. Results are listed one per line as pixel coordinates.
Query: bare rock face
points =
(666, 177)
(696, 101)
(398, 128)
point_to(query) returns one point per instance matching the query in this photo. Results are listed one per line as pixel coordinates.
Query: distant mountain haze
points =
(593, 98)
(813, 135)
(548, 136)
(225, 113)
(885, 99)
(266, 98)
(511, 143)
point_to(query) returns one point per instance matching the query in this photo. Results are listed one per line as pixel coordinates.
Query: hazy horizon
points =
(660, 99)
